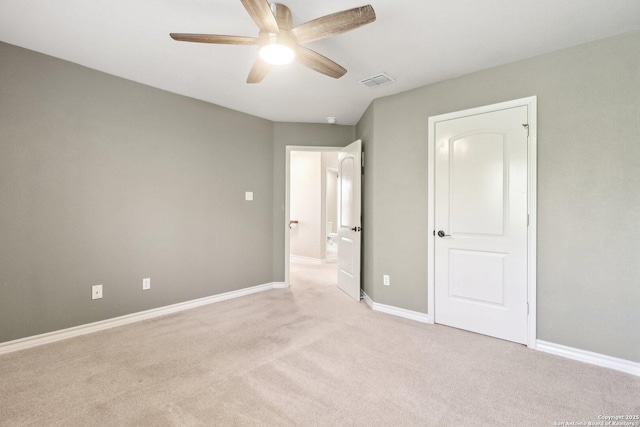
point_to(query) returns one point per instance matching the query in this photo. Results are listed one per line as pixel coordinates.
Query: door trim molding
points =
(531, 104)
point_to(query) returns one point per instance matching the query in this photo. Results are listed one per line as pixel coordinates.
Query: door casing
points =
(531, 104)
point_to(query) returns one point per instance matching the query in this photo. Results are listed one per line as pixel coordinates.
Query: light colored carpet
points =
(304, 356)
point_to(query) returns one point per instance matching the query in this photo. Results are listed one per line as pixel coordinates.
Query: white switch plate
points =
(96, 292)
(248, 195)
(146, 283)
(385, 280)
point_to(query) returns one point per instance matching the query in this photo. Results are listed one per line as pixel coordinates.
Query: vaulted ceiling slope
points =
(416, 42)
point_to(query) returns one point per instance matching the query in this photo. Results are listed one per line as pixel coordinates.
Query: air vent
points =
(377, 80)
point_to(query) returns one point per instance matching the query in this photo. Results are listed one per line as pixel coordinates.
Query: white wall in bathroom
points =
(330, 159)
(330, 164)
(306, 203)
(329, 213)
(331, 198)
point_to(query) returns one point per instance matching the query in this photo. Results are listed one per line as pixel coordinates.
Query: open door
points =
(349, 226)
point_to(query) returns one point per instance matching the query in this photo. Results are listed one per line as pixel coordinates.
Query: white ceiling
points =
(417, 42)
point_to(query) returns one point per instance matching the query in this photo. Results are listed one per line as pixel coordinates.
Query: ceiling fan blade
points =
(212, 38)
(319, 63)
(261, 14)
(258, 71)
(335, 23)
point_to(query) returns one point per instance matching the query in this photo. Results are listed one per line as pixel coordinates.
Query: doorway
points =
(482, 245)
(312, 208)
(309, 235)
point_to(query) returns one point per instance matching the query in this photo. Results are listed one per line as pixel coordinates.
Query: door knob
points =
(442, 234)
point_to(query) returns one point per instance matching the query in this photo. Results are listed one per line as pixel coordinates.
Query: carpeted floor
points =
(304, 356)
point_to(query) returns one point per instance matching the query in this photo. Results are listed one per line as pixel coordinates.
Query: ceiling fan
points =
(280, 43)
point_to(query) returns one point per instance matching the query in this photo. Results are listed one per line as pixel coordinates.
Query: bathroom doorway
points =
(312, 194)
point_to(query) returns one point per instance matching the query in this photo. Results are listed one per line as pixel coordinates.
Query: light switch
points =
(248, 195)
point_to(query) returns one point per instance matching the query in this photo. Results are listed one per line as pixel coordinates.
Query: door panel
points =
(477, 184)
(349, 208)
(481, 207)
(346, 191)
(345, 256)
(477, 276)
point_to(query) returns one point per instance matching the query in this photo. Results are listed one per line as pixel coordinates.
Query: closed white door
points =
(349, 226)
(481, 223)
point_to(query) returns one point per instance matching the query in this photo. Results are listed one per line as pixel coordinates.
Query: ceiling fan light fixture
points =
(280, 43)
(277, 54)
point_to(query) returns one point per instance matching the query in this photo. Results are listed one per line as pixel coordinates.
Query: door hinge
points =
(527, 220)
(362, 160)
(527, 308)
(526, 126)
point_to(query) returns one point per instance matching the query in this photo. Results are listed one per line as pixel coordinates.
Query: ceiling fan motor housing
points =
(281, 46)
(285, 37)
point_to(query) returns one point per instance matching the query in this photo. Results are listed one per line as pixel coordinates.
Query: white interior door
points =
(481, 223)
(349, 226)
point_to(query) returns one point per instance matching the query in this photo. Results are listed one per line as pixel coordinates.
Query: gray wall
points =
(311, 134)
(106, 181)
(588, 196)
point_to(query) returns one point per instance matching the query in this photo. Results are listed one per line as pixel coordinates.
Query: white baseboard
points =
(396, 311)
(366, 299)
(307, 259)
(603, 360)
(598, 359)
(623, 365)
(49, 337)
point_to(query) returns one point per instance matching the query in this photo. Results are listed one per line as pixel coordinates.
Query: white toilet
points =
(332, 244)
(332, 238)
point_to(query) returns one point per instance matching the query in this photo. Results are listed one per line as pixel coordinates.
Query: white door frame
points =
(287, 202)
(531, 104)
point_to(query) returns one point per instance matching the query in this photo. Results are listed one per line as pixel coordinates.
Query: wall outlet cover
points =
(248, 195)
(96, 292)
(146, 283)
(386, 280)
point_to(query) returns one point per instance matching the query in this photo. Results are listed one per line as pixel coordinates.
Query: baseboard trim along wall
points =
(598, 359)
(308, 259)
(396, 311)
(603, 360)
(49, 337)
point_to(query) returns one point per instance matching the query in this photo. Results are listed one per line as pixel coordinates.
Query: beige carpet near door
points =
(305, 356)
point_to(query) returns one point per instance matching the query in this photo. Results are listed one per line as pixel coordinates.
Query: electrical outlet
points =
(96, 292)
(146, 283)
(385, 280)
(248, 195)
